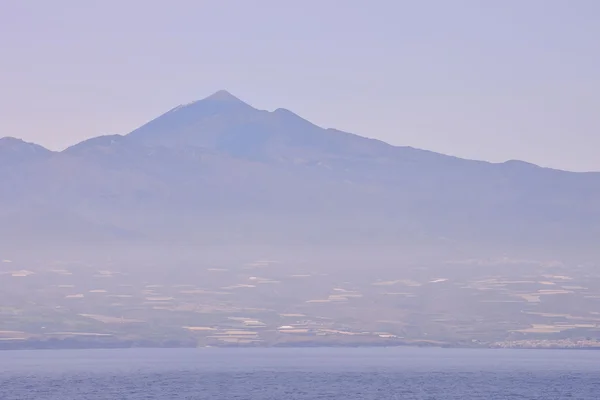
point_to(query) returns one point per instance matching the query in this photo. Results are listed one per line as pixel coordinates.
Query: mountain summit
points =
(219, 171)
(223, 96)
(224, 123)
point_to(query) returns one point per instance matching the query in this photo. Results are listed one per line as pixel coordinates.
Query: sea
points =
(307, 373)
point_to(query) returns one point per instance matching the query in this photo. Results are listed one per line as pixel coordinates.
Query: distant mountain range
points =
(218, 171)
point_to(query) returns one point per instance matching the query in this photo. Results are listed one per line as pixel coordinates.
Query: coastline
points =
(123, 345)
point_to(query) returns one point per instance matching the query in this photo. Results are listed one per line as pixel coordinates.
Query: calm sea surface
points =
(397, 373)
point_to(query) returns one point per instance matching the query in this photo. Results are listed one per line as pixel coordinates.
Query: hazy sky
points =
(494, 80)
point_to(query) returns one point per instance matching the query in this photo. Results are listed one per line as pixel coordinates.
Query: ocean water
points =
(392, 373)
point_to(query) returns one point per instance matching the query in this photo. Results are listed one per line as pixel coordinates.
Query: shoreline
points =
(121, 346)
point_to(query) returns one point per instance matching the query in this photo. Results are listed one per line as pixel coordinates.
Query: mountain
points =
(219, 171)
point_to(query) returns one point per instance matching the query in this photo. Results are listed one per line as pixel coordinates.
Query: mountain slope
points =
(15, 151)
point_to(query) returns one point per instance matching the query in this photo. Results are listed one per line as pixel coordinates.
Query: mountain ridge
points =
(224, 96)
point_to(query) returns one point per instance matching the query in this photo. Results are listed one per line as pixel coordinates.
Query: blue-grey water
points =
(393, 373)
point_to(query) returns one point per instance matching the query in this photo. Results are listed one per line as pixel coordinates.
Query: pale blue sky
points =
(494, 80)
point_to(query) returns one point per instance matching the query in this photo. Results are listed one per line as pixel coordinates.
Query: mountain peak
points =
(223, 96)
(11, 140)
